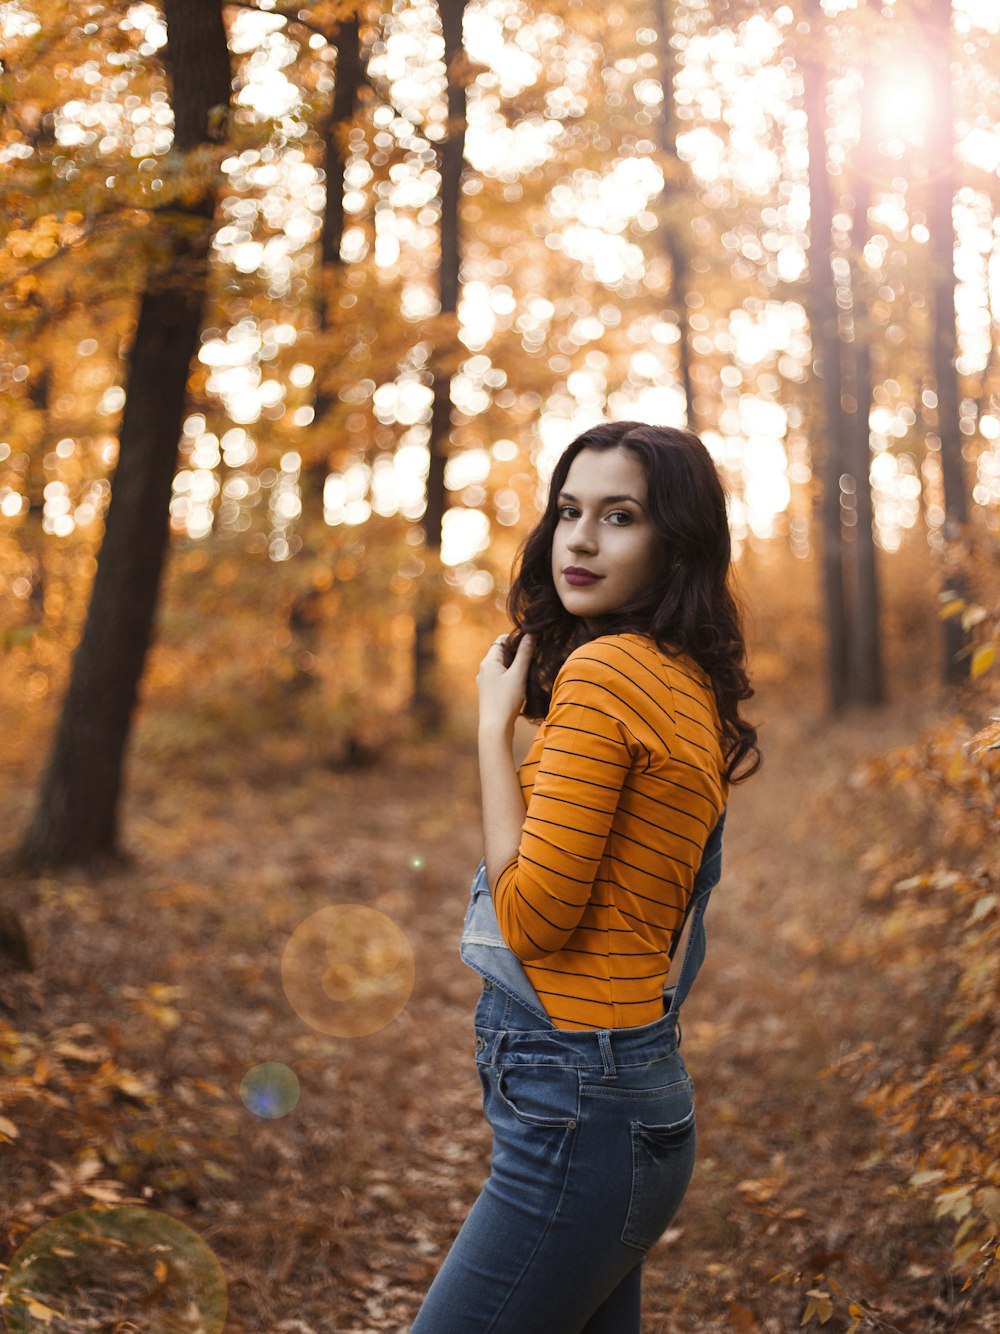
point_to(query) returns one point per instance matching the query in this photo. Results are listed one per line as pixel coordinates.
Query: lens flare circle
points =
(347, 970)
(98, 1267)
(270, 1090)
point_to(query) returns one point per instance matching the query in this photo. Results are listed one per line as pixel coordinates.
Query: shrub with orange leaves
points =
(937, 1092)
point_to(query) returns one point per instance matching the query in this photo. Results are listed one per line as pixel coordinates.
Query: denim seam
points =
(635, 1195)
(658, 1091)
(541, 1122)
(574, 1132)
(546, 1062)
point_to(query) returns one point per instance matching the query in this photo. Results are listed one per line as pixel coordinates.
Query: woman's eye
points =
(619, 516)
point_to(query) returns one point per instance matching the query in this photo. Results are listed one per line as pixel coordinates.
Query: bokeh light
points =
(270, 1090)
(348, 970)
(121, 1268)
(566, 308)
(904, 100)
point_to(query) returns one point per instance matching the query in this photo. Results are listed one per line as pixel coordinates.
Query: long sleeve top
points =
(623, 784)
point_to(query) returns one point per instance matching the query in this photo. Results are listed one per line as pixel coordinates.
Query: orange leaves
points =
(72, 1051)
(154, 1003)
(953, 1203)
(826, 1299)
(69, 1070)
(140, 1088)
(819, 1305)
(742, 1319)
(944, 925)
(70, 1181)
(764, 1190)
(983, 658)
(983, 654)
(987, 739)
(96, 1127)
(37, 242)
(989, 1202)
(42, 239)
(38, 1310)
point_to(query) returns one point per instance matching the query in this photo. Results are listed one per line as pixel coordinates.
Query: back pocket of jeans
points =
(662, 1163)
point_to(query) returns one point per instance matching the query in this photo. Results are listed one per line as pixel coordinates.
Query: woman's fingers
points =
(518, 669)
(501, 688)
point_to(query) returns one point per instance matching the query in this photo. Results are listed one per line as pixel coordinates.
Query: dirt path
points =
(335, 1217)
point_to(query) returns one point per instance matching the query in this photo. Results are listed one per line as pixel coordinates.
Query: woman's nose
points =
(582, 537)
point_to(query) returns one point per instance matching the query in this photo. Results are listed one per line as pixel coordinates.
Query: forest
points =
(299, 305)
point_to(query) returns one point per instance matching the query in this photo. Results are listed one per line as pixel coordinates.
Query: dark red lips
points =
(574, 574)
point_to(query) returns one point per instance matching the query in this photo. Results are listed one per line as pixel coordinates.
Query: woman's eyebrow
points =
(605, 500)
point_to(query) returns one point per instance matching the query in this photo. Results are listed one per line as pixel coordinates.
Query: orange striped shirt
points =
(623, 783)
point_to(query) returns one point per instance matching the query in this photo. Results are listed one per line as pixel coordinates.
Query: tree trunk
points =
(823, 318)
(32, 534)
(76, 819)
(673, 231)
(348, 75)
(308, 608)
(866, 642)
(426, 698)
(866, 680)
(941, 166)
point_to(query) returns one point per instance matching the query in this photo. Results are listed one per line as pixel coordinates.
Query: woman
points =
(597, 849)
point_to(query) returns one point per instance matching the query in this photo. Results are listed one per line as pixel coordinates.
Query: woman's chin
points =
(582, 603)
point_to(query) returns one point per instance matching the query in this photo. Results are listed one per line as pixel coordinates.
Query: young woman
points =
(628, 643)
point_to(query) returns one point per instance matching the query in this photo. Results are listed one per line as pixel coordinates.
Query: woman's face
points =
(605, 550)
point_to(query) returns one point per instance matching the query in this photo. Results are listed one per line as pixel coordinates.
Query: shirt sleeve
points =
(589, 748)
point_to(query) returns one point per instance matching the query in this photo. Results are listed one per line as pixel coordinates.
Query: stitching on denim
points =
(539, 1122)
(579, 1063)
(607, 1055)
(684, 1125)
(545, 1232)
(632, 1095)
(633, 1194)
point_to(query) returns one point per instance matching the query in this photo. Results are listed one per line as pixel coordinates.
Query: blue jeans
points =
(593, 1148)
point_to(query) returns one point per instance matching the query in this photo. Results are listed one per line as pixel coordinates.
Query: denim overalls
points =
(593, 1148)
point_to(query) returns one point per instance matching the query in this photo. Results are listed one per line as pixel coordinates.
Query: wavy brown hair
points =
(690, 609)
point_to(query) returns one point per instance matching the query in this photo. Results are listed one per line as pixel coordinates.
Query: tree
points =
(865, 656)
(941, 159)
(333, 130)
(76, 817)
(451, 159)
(674, 228)
(826, 349)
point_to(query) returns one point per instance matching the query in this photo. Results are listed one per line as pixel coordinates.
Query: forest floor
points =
(158, 986)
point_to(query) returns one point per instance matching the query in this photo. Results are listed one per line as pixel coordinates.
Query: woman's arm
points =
(541, 893)
(503, 804)
(501, 698)
(525, 731)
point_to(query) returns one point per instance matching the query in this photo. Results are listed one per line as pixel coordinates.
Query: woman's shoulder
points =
(611, 652)
(630, 661)
(638, 660)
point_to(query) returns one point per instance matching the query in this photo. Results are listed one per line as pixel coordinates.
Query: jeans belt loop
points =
(607, 1056)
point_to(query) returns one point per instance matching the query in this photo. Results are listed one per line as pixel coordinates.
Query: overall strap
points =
(705, 881)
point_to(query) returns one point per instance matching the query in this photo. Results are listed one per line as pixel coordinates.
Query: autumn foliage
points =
(431, 240)
(940, 937)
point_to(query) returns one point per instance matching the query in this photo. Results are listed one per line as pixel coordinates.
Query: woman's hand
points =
(502, 689)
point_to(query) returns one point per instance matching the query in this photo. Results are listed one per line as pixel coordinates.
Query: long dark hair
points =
(691, 608)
